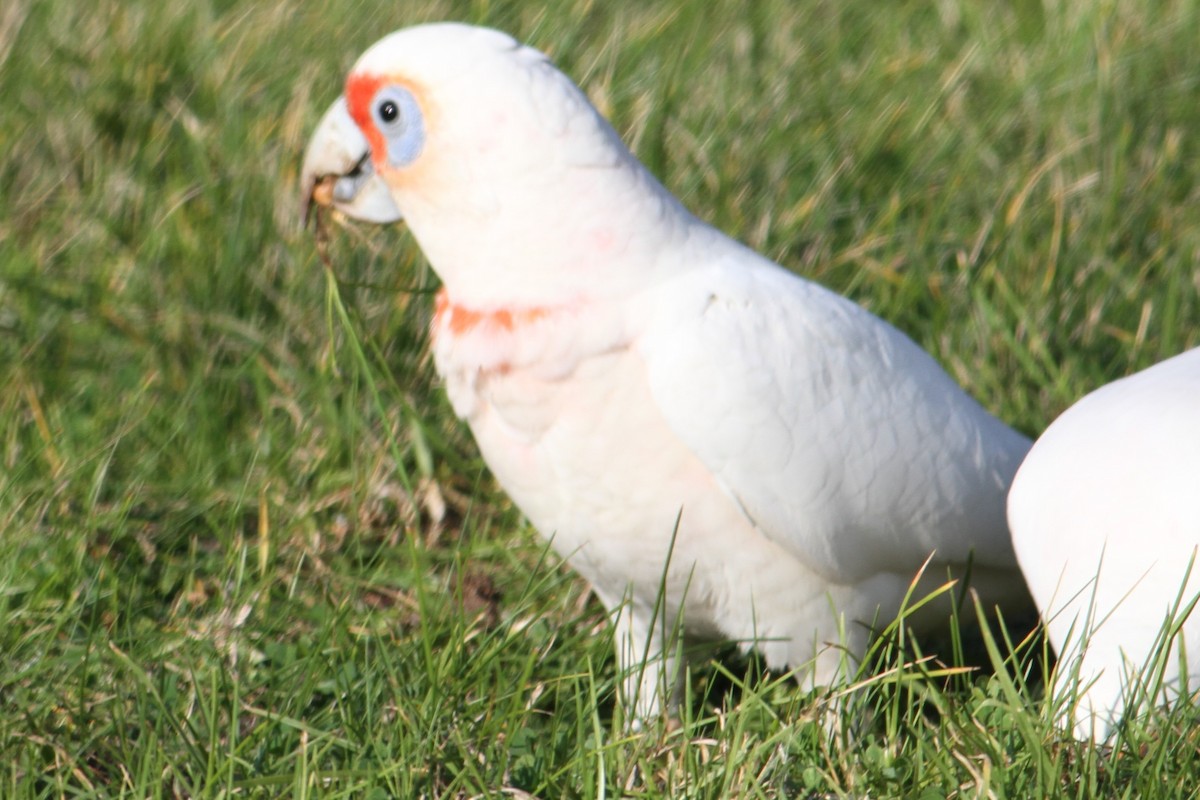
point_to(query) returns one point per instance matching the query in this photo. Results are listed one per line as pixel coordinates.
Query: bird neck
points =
(591, 233)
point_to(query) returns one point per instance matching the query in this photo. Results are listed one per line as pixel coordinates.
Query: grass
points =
(246, 550)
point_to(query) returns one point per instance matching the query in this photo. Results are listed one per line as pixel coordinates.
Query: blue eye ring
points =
(398, 116)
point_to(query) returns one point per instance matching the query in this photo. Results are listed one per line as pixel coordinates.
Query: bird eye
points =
(397, 115)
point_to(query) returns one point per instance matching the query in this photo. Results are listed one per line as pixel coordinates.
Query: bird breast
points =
(561, 409)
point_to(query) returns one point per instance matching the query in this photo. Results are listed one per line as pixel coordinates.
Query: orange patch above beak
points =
(360, 91)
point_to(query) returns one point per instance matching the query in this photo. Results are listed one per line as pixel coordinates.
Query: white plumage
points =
(634, 377)
(1105, 514)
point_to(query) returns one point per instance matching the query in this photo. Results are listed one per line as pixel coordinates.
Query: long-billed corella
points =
(725, 451)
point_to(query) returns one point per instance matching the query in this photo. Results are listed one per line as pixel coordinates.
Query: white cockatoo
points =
(725, 451)
(1105, 516)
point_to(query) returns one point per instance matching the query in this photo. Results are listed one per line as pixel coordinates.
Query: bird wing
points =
(840, 439)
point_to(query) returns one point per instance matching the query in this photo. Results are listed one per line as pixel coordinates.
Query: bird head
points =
(506, 175)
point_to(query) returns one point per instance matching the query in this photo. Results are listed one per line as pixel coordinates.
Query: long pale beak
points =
(337, 171)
